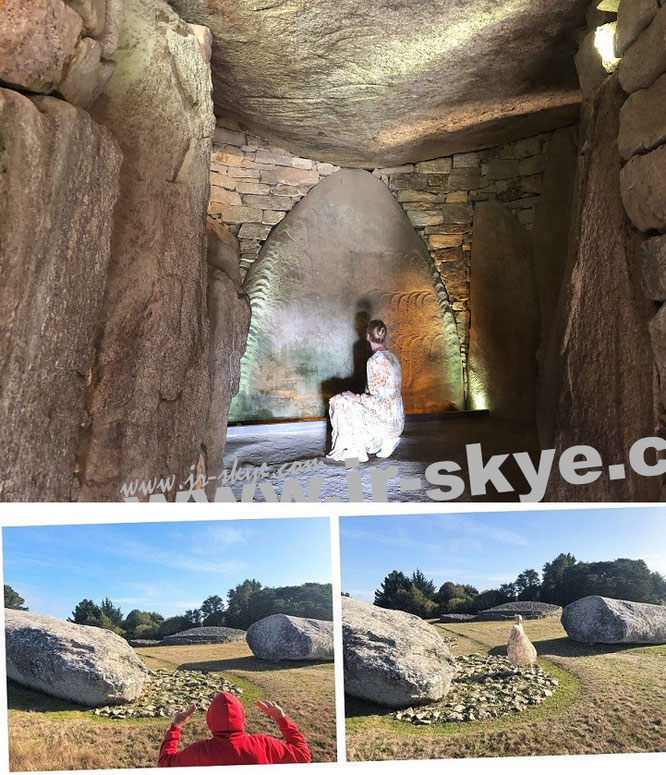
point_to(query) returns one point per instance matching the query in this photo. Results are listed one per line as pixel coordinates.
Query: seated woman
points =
(373, 421)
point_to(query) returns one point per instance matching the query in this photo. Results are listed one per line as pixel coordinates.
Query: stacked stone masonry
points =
(641, 37)
(254, 184)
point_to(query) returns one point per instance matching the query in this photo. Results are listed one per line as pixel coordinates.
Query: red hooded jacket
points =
(229, 743)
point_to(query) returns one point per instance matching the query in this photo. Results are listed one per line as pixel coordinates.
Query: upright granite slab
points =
(597, 385)
(345, 254)
(504, 333)
(149, 395)
(58, 188)
(597, 619)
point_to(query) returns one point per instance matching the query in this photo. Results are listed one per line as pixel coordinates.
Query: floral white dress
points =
(364, 423)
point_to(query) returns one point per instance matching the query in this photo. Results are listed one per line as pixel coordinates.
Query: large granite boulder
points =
(87, 665)
(204, 635)
(345, 254)
(279, 637)
(58, 187)
(504, 333)
(379, 83)
(393, 658)
(597, 619)
(149, 394)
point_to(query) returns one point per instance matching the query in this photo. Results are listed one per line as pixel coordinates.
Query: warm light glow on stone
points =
(604, 40)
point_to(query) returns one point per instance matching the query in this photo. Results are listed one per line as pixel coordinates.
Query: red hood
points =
(226, 715)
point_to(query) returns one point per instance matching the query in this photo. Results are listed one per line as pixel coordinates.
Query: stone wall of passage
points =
(642, 145)
(254, 184)
(111, 369)
(597, 383)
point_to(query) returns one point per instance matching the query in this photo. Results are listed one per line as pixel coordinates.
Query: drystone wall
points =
(642, 144)
(254, 184)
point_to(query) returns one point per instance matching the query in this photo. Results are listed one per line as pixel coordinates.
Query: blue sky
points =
(486, 550)
(166, 567)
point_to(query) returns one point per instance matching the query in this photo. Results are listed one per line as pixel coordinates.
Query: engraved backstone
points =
(345, 254)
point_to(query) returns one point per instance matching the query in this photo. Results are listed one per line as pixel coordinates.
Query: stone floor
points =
(278, 446)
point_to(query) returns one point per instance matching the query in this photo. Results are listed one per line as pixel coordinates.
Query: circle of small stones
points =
(484, 687)
(166, 692)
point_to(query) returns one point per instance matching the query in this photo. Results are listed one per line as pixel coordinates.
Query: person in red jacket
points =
(229, 744)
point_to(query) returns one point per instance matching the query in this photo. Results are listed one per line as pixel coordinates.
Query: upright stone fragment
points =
(58, 187)
(345, 254)
(393, 658)
(281, 637)
(597, 619)
(503, 334)
(87, 665)
(149, 396)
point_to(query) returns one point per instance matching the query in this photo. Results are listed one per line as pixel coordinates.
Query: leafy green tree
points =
(456, 598)
(395, 582)
(238, 602)
(528, 585)
(489, 598)
(413, 601)
(146, 631)
(194, 616)
(172, 625)
(554, 582)
(623, 578)
(508, 592)
(13, 599)
(212, 605)
(112, 612)
(423, 584)
(87, 612)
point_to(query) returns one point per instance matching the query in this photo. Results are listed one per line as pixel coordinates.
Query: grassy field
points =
(609, 700)
(50, 734)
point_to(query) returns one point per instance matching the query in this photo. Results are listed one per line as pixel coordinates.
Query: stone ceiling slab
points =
(385, 82)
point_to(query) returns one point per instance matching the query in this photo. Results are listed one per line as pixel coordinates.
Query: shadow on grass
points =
(21, 698)
(565, 647)
(249, 664)
(355, 708)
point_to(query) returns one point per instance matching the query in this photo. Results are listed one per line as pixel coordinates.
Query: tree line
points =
(561, 581)
(245, 604)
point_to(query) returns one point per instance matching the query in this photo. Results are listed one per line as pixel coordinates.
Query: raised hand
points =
(181, 717)
(271, 709)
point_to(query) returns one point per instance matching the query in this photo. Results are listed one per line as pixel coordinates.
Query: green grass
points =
(609, 700)
(46, 733)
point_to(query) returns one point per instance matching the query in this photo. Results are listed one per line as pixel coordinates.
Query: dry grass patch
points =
(610, 700)
(49, 734)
